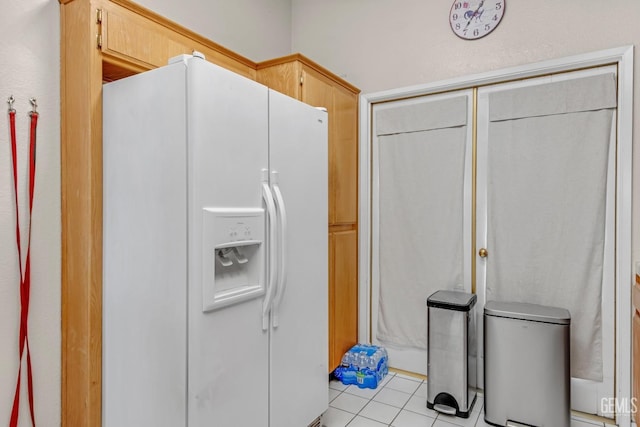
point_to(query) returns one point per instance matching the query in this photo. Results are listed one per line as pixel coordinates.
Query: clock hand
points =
(474, 14)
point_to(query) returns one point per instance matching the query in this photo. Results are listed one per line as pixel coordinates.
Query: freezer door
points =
(144, 303)
(299, 323)
(227, 348)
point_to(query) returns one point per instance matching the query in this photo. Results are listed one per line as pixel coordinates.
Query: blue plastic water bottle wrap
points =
(363, 365)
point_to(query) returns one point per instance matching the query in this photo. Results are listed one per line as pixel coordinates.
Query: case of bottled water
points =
(363, 365)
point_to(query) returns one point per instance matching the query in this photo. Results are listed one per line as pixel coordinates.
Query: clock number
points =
(468, 20)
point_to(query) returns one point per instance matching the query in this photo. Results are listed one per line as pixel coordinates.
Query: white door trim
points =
(623, 58)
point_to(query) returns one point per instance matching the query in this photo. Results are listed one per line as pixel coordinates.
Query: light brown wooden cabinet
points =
(305, 80)
(344, 160)
(132, 40)
(343, 295)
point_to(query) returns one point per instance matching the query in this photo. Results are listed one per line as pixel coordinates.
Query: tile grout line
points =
(405, 404)
(371, 400)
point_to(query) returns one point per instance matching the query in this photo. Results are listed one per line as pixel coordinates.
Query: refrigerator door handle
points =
(271, 250)
(282, 250)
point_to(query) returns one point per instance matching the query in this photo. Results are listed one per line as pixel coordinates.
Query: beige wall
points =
(256, 29)
(29, 48)
(383, 44)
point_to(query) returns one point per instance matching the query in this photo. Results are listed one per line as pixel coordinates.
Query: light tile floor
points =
(400, 401)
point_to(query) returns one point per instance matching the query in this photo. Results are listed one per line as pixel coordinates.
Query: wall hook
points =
(34, 105)
(10, 101)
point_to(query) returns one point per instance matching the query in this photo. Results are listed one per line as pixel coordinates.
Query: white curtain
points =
(547, 172)
(421, 179)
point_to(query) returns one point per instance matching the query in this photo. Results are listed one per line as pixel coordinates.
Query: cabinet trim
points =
(311, 64)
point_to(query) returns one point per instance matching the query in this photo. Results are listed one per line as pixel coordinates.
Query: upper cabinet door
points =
(342, 107)
(316, 90)
(344, 160)
(131, 43)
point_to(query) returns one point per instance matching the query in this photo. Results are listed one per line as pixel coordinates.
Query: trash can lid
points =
(526, 311)
(452, 300)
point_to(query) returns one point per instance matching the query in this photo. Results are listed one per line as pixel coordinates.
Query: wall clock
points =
(473, 19)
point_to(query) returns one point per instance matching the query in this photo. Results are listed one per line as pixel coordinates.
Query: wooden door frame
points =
(81, 202)
(621, 57)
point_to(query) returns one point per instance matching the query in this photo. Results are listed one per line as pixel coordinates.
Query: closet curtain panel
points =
(421, 183)
(547, 174)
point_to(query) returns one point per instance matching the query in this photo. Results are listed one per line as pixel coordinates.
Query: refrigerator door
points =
(228, 148)
(299, 334)
(144, 306)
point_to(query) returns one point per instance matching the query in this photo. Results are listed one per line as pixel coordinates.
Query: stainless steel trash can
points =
(526, 365)
(451, 353)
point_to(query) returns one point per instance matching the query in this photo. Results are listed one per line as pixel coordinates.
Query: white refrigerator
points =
(215, 300)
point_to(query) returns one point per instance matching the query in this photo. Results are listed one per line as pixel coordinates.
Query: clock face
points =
(473, 19)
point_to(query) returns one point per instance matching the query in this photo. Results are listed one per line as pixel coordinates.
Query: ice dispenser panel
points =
(232, 256)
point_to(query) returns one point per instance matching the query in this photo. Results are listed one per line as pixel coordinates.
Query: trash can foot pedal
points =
(515, 424)
(445, 409)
